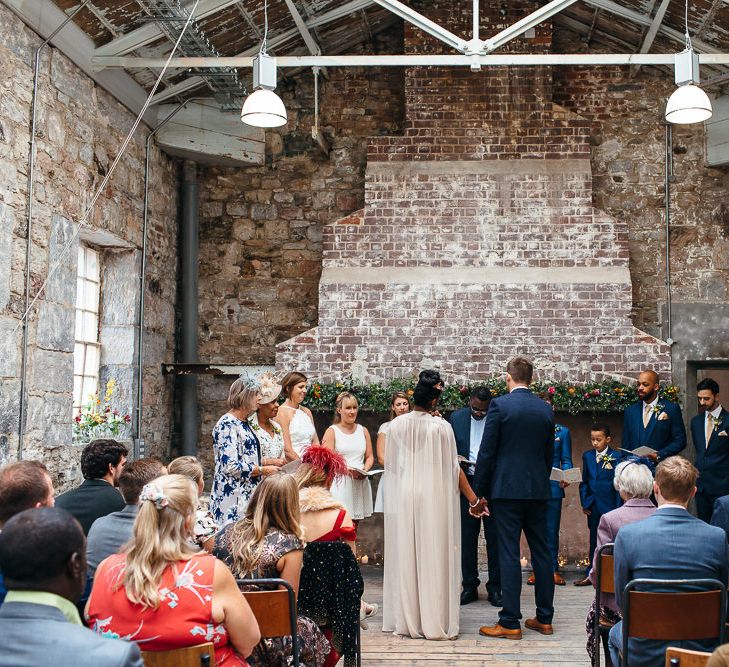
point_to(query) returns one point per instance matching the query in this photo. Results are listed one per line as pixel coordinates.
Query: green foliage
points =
(595, 397)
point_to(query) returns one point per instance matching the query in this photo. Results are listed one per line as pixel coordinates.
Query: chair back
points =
(683, 657)
(605, 583)
(200, 655)
(676, 616)
(275, 610)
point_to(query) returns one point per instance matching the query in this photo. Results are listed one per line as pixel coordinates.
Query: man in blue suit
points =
(653, 422)
(671, 544)
(710, 435)
(512, 472)
(468, 426)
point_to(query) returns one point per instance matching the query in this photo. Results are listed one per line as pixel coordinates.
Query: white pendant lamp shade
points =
(688, 104)
(263, 108)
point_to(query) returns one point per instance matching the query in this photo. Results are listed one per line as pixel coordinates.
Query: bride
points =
(422, 577)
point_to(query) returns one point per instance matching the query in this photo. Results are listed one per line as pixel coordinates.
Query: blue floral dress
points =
(236, 451)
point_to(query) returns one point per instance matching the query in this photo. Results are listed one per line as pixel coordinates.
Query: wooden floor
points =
(565, 647)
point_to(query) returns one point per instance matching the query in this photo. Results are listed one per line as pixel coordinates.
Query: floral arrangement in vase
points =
(97, 419)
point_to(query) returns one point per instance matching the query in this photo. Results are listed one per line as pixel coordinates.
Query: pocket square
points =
(722, 433)
(662, 417)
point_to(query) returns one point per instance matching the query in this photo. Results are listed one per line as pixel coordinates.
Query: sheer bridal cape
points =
(422, 578)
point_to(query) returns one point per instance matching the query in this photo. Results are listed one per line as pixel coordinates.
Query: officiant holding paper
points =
(468, 424)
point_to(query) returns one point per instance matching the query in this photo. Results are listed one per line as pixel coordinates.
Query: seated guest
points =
(205, 528)
(42, 556)
(597, 493)
(720, 657)
(101, 464)
(23, 485)
(268, 543)
(634, 483)
(164, 593)
(671, 544)
(109, 533)
(720, 516)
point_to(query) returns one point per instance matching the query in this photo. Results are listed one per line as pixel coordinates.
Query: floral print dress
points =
(237, 452)
(313, 646)
(184, 616)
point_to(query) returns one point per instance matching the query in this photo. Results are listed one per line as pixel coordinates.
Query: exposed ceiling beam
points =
(652, 32)
(308, 38)
(708, 19)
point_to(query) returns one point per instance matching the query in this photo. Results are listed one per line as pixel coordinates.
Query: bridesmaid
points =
(296, 421)
(399, 405)
(353, 442)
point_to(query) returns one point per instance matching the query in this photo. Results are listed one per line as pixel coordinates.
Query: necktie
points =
(709, 427)
(646, 415)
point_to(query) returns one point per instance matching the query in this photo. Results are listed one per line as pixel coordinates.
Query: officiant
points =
(468, 424)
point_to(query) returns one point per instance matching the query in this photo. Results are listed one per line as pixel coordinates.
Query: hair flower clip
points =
(152, 493)
(250, 382)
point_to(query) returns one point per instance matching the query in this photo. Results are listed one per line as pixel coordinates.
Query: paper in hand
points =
(571, 476)
(367, 473)
(640, 451)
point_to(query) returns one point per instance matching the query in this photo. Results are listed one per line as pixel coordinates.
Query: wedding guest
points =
(109, 533)
(42, 555)
(296, 421)
(598, 495)
(653, 422)
(238, 468)
(101, 464)
(634, 483)
(562, 461)
(268, 432)
(353, 442)
(670, 544)
(205, 528)
(399, 405)
(23, 485)
(710, 435)
(165, 593)
(512, 471)
(268, 543)
(468, 425)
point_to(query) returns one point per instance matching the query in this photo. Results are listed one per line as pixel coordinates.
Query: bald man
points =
(653, 421)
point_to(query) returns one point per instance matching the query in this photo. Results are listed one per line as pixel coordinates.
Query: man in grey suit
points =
(671, 544)
(42, 555)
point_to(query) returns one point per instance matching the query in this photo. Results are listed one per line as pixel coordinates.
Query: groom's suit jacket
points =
(666, 435)
(712, 460)
(461, 422)
(515, 458)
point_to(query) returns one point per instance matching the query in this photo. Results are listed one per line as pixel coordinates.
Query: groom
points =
(512, 472)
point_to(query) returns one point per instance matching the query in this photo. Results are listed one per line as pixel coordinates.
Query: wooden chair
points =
(682, 657)
(605, 584)
(698, 612)
(275, 610)
(200, 655)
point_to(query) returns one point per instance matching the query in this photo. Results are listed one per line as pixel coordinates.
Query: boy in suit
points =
(597, 493)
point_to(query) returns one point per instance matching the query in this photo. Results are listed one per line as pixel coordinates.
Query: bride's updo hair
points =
(429, 388)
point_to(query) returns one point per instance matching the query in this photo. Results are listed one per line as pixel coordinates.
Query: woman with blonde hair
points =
(164, 594)
(238, 468)
(296, 421)
(399, 405)
(205, 527)
(353, 442)
(268, 543)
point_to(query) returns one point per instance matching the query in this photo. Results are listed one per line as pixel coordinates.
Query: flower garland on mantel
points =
(594, 397)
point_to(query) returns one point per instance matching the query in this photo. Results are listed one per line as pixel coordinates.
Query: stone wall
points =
(80, 129)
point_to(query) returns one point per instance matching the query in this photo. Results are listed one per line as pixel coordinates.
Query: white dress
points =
(301, 429)
(380, 499)
(354, 494)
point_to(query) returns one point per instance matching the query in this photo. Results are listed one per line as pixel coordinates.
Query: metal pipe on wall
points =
(667, 203)
(29, 220)
(189, 251)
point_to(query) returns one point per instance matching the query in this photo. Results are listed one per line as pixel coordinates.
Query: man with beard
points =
(101, 464)
(653, 422)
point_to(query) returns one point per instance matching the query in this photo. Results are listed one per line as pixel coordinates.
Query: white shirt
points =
(599, 456)
(477, 426)
(671, 505)
(519, 386)
(652, 404)
(714, 413)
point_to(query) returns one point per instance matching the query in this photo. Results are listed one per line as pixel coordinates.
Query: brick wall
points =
(478, 239)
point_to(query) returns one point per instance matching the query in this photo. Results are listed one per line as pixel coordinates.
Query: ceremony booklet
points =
(640, 451)
(367, 473)
(571, 476)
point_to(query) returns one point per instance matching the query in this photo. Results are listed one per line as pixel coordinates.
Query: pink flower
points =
(587, 395)
(463, 389)
(127, 418)
(115, 413)
(551, 390)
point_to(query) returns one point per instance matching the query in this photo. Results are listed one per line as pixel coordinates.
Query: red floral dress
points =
(183, 618)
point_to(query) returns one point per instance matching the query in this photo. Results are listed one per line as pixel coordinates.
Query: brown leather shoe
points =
(499, 631)
(583, 582)
(531, 580)
(558, 580)
(541, 628)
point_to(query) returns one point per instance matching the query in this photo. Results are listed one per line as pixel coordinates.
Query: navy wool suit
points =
(670, 544)
(562, 459)
(667, 435)
(460, 420)
(712, 460)
(597, 492)
(512, 472)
